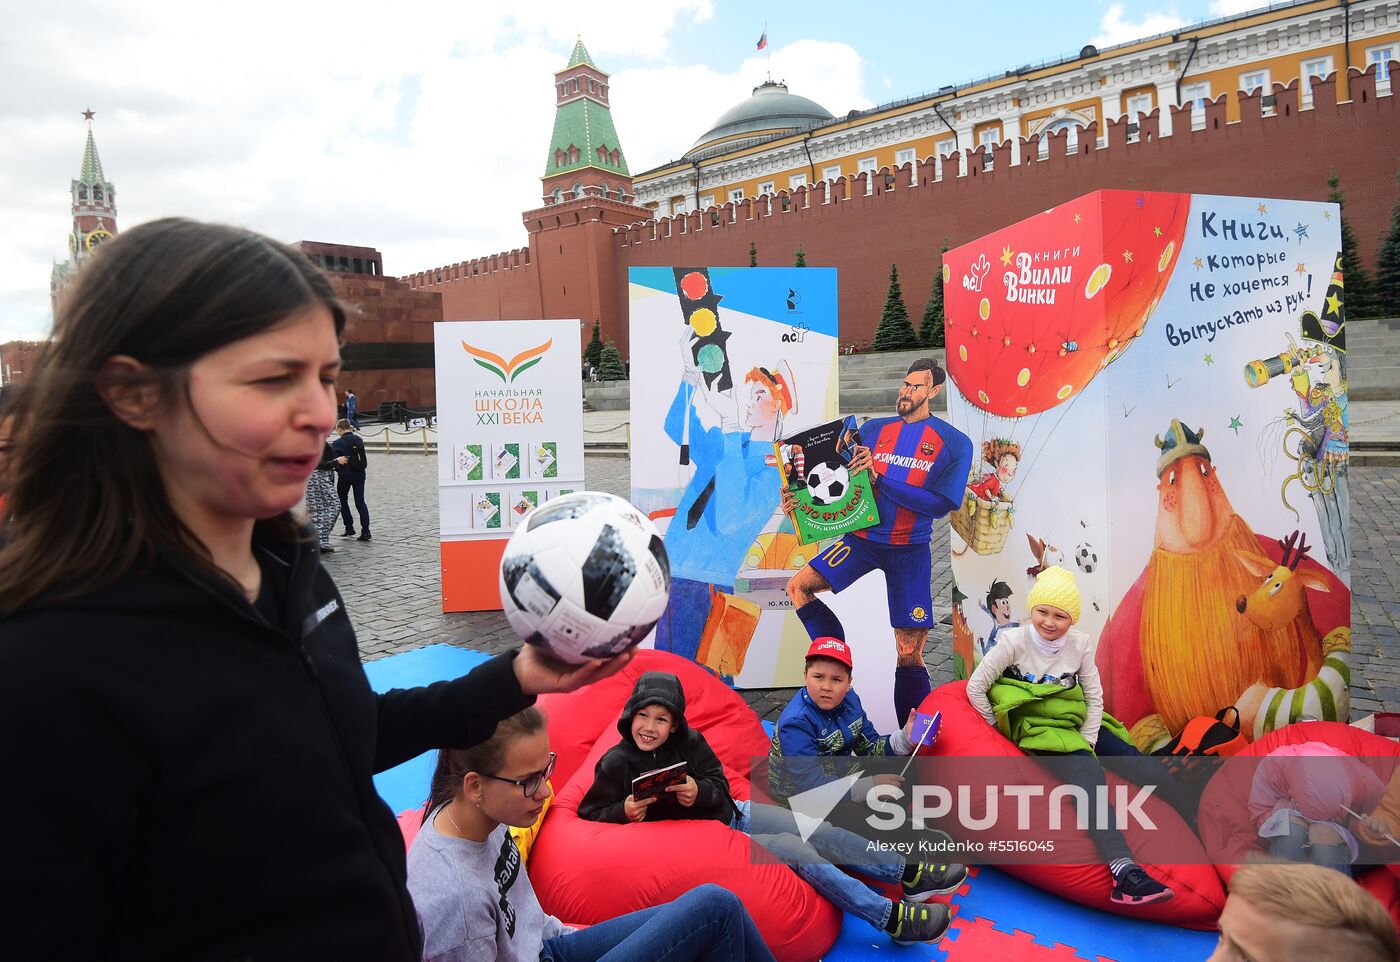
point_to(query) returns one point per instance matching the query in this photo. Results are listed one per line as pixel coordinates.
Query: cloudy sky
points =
(422, 130)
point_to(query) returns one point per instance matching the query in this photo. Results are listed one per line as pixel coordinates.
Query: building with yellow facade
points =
(776, 141)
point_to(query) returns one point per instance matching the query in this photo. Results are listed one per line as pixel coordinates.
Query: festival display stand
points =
(510, 437)
(1155, 387)
(730, 360)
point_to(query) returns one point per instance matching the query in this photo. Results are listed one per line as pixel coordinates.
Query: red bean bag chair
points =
(587, 872)
(1229, 832)
(1172, 854)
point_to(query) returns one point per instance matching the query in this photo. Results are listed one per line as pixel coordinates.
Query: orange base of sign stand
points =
(470, 575)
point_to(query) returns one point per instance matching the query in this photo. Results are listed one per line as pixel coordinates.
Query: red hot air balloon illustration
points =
(1036, 310)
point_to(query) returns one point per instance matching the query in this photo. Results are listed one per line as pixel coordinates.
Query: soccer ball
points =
(1086, 558)
(584, 576)
(828, 482)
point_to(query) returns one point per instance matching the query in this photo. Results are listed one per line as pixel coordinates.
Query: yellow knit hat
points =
(1055, 587)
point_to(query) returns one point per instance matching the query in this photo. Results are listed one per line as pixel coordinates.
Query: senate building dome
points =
(771, 110)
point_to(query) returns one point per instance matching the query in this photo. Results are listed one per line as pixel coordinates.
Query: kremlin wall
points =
(579, 251)
(593, 219)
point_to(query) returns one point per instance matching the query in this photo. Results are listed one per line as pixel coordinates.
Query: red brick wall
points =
(386, 310)
(1289, 155)
(18, 359)
(577, 266)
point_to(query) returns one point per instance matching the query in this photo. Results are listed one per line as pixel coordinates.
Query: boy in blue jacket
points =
(825, 721)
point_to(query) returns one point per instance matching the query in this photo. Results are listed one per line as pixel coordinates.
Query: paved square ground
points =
(391, 584)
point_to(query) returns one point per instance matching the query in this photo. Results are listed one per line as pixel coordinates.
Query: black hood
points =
(656, 688)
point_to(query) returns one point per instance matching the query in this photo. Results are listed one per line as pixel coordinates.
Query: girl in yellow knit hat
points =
(1040, 687)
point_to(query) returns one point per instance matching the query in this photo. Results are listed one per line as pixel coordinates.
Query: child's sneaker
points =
(1133, 886)
(923, 880)
(912, 922)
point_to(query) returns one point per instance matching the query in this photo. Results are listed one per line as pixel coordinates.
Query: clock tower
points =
(94, 204)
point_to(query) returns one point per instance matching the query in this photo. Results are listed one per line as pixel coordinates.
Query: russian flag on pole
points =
(763, 40)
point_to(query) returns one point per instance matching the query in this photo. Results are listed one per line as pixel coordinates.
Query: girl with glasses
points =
(473, 893)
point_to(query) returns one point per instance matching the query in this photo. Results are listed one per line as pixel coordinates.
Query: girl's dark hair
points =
(86, 502)
(997, 591)
(486, 757)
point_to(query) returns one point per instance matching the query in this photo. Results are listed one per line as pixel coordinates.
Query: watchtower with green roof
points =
(94, 203)
(585, 155)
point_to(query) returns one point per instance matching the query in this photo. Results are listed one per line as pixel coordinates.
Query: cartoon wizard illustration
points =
(1317, 374)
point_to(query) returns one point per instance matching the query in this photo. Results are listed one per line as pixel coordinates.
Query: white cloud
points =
(1230, 8)
(1114, 29)
(690, 98)
(423, 134)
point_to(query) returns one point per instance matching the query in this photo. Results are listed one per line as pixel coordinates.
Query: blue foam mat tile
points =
(1011, 905)
(406, 785)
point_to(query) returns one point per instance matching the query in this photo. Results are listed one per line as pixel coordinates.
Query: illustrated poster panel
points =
(1196, 460)
(730, 360)
(1228, 422)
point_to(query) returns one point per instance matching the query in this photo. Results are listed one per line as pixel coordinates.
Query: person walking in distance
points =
(350, 463)
(352, 408)
(320, 497)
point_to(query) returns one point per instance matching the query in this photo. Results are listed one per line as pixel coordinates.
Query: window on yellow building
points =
(1381, 56)
(1196, 94)
(832, 172)
(1316, 67)
(736, 195)
(905, 156)
(1254, 80)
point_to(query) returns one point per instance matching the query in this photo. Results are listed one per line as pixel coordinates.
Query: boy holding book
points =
(655, 736)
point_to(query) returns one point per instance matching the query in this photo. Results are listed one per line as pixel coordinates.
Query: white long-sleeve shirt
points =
(1017, 654)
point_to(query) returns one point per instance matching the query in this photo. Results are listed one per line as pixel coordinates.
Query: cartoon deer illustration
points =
(1317, 685)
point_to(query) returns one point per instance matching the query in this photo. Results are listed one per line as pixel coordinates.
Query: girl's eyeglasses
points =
(530, 784)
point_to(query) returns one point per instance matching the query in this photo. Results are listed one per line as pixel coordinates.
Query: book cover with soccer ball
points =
(830, 499)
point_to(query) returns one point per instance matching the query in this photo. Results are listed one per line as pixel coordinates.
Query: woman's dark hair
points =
(86, 502)
(486, 757)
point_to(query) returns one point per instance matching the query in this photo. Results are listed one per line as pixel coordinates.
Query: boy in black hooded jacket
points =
(655, 735)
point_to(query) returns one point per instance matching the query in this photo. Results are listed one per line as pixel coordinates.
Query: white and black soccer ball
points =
(1086, 558)
(584, 576)
(828, 482)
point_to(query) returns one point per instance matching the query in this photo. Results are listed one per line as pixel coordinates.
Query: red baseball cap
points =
(833, 648)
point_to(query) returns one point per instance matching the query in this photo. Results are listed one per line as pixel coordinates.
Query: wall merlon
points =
(931, 178)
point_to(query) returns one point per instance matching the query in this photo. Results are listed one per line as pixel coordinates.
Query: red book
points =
(653, 784)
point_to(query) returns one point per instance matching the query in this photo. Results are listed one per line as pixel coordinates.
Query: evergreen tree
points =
(1359, 299)
(801, 259)
(931, 327)
(610, 366)
(593, 353)
(753, 254)
(1388, 267)
(895, 332)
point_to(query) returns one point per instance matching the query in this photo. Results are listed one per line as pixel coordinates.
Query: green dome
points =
(769, 111)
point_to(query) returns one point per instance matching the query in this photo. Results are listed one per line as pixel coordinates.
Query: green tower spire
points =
(583, 124)
(92, 164)
(580, 55)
